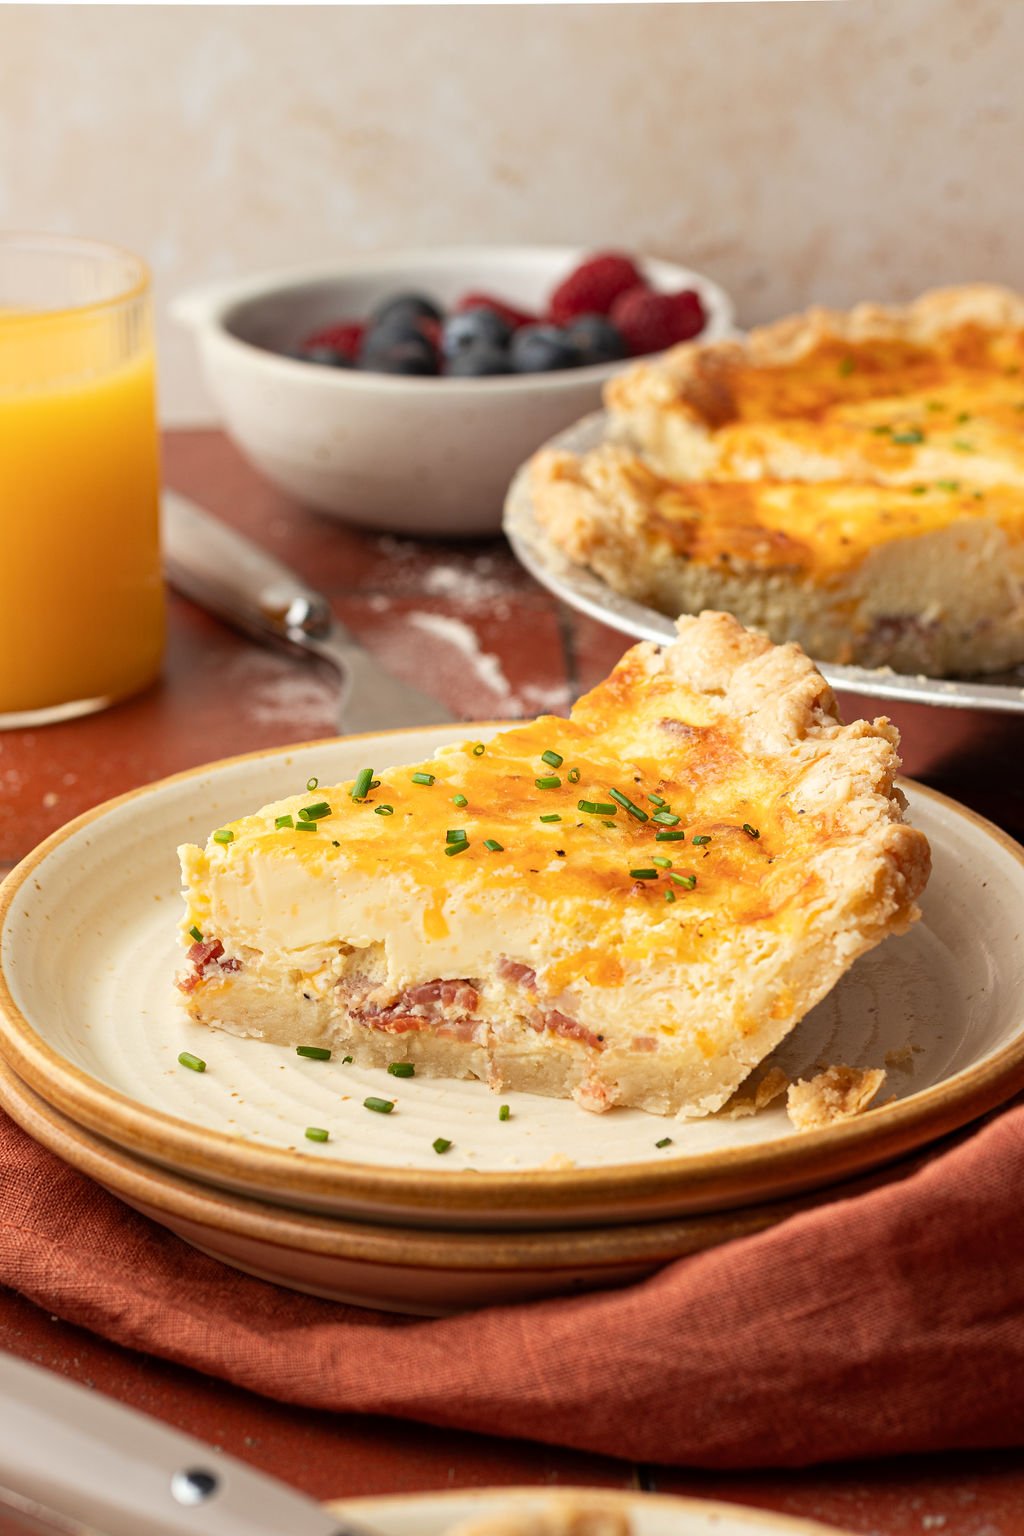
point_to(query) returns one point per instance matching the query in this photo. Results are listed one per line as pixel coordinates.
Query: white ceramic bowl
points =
(410, 455)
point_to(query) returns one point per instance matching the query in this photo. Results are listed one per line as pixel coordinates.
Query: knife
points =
(226, 573)
(72, 1460)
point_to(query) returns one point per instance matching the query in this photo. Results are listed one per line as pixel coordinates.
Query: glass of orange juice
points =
(81, 597)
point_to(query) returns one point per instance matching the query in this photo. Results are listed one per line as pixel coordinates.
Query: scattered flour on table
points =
(486, 665)
(301, 699)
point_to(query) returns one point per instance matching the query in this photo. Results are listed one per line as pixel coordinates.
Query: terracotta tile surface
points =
(463, 621)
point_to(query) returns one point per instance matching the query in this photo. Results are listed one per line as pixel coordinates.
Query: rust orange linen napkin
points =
(893, 1321)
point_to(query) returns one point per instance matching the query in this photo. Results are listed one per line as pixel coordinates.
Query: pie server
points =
(73, 1461)
(234, 578)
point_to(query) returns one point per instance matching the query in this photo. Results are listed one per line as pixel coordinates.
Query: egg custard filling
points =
(630, 906)
(851, 480)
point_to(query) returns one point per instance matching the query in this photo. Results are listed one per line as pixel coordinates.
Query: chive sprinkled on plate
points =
(194, 1063)
(383, 810)
(662, 863)
(379, 1106)
(643, 874)
(224, 835)
(595, 807)
(948, 485)
(459, 800)
(312, 784)
(504, 1112)
(657, 800)
(907, 436)
(699, 839)
(553, 759)
(478, 750)
(492, 845)
(283, 821)
(456, 835)
(195, 934)
(573, 775)
(670, 837)
(627, 804)
(402, 1068)
(313, 1052)
(750, 831)
(551, 816)
(549, 781)
(666, 1141)
(666, 818)
(686, 881)
(364, 781)
(441, 1144)
(306, 826)
(315, 812)
(316, 1133)
(670, 895)
(423, 778)
(962, 446)
(346, 1061)
(451, 849)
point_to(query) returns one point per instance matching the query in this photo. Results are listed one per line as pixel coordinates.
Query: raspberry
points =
(650, 321)
(514, 317)
(594, 286)
(346, 338)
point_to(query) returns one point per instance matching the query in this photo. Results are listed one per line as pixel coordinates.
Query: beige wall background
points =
(799, 152)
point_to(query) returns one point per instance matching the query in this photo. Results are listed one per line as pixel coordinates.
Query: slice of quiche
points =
(631, 906)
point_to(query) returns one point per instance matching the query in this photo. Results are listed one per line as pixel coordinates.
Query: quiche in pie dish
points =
(852, 481)
(631, 906)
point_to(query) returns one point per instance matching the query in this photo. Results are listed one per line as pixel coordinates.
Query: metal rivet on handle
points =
(194, 1485)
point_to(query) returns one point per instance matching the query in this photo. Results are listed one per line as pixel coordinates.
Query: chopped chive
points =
(459, 800)
(313, 1052)
(643, 874)
(380, 1106)
(456, 835)
(346, 1061)
(364, 781)
(423, 778)
(375, 783)
(881, 429)
(846, 367)
(948, 485)
(402, 1068)
(316, 1133)
(194, 1063)
(312, 784)
(314, 812)
(918, 490)
(666, 818)
(962, 417)
(283, 821)
(607, 823)
(670, 895)
(551, 816)
(441, 1144)
(550, 781)
(670, 837)
(627, 804)
(595, 807)
(504, 1112)
(493, 845)
(910, 435)
(573, 775)
(662, 863)
(306, 826)
(195, 934)
(383, 810)
(666, 1141)
(657, 800)
(224, 835)
(452, 849)
(687, 881)
(478, 750)
(702, 837)
(553, 759)
(961, 446)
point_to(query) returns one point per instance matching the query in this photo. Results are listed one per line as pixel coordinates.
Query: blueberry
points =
(470, 328)
(477, 360)
(542, 348)
(406, 308)
(412, 355)
(327, 357)
(597, 339)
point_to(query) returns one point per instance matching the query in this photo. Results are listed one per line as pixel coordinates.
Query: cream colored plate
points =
(91, 1020)
(649, 1514)
(396, 1268)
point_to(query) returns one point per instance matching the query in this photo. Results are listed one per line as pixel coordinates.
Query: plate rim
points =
(629, 1499)
(759, 1172)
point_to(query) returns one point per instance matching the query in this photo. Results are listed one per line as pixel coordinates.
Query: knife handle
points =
(80, 1459)
(228, 574)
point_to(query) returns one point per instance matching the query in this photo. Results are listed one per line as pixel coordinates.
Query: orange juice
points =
(81, 600)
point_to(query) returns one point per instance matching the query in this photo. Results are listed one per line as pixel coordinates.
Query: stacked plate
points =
(549, 1200)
